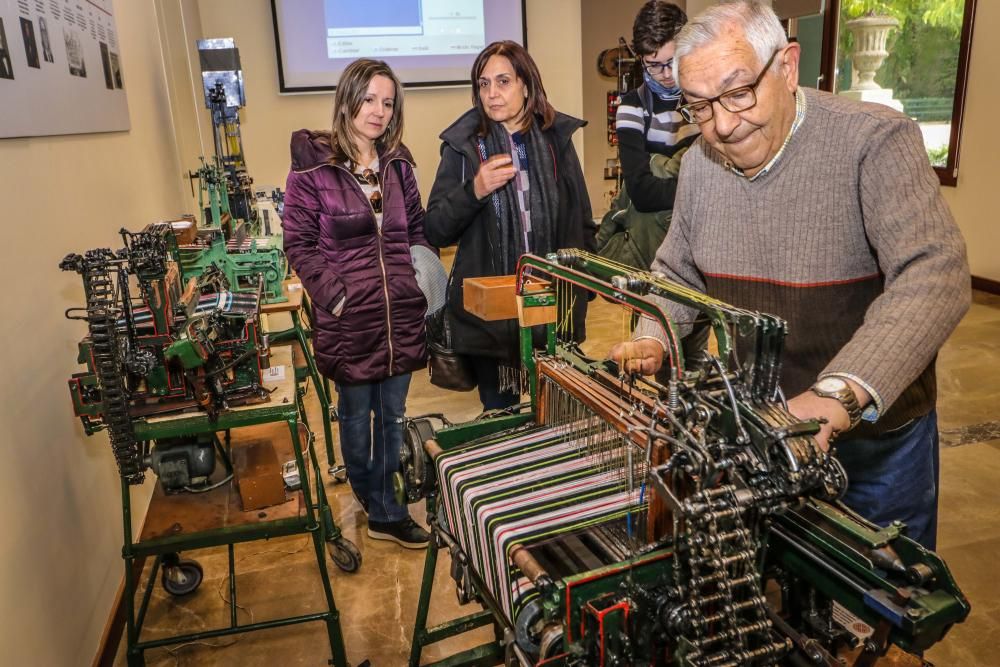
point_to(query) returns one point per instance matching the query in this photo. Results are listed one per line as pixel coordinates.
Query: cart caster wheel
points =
(338, 474)
(183, 578)
(343, 552)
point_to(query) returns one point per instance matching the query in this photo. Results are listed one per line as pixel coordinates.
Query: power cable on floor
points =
(173, 651)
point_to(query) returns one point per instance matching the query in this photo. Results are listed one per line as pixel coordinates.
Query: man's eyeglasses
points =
(657, 68)
(370, 177)
(733, 101)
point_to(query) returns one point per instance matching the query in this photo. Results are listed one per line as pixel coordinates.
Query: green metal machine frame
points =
(316, 521)
(126, 392)
(229, 244)
(242, 264)
(902, 592)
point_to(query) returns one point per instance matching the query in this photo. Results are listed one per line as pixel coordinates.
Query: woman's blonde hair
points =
(351, 90)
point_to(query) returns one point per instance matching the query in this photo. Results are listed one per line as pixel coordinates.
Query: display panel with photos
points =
(60, 50)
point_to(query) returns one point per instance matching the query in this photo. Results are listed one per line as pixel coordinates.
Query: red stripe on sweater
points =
(786, 283)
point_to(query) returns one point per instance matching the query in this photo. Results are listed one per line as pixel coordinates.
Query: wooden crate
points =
(492, 298)
(258, 474)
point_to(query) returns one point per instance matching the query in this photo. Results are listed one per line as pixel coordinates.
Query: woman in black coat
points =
(509, 182)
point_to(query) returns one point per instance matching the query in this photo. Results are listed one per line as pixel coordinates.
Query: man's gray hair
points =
(759, 22)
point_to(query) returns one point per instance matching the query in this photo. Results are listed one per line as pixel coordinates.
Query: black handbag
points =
(448, 369)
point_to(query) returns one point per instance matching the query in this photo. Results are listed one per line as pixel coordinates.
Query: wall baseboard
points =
(986, 285)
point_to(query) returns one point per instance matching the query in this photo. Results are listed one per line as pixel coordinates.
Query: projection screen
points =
(426, 42)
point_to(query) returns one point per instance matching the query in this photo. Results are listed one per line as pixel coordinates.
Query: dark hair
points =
(657, 23)
(351, 90)
(537, 104)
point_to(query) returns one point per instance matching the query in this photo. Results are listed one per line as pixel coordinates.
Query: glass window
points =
(911, 55)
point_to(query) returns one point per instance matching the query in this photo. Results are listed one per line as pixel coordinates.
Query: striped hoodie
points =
(667, 133)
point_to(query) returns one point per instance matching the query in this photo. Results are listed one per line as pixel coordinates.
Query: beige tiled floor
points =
(378, 603)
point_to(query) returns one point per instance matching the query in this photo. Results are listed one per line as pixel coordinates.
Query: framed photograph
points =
(30, 45)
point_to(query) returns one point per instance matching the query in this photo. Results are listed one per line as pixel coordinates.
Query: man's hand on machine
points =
(808, 405)
(643, 356)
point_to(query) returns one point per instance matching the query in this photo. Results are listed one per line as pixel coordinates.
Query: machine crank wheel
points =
(344, 554)
(183, 578)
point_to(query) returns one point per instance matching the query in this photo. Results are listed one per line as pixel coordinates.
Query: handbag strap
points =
(445, 317)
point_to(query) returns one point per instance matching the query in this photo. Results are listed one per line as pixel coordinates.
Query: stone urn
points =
(870, 36)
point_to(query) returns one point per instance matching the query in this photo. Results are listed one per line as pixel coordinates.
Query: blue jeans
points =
(894, 477)
(370, 461)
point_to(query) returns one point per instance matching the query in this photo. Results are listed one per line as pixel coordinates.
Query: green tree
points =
(938, 13)
(946, 14)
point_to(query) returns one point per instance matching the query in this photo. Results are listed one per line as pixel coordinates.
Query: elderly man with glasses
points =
(826, 212)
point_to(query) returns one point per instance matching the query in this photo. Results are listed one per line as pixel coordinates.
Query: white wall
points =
(973, 201)
(59, 490)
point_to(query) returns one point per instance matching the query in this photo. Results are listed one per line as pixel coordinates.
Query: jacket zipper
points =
(381, 260)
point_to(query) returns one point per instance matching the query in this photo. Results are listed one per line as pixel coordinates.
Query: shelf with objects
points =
(171, 364)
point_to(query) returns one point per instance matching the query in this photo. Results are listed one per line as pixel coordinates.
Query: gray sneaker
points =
(405, 532)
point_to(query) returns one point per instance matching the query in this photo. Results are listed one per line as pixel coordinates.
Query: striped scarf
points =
(542, 199)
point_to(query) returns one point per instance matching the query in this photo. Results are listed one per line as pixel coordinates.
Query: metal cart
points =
(181, 522)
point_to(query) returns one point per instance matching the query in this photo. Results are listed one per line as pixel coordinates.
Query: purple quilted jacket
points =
(337, 250)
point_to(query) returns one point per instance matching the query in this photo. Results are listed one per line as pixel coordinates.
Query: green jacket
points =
(629, 236)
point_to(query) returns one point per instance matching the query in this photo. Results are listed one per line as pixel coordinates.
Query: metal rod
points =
(457, 626)
(222, 632)
(148, 593)
(424, 600)
(525, 562)
(232, 587)
(818, 560)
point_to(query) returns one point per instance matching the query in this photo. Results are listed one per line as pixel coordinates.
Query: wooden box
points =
(491, 298)
(185, 229)
(534, 314)
(258, 474)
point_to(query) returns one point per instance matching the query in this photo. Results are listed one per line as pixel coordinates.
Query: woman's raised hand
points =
(493, 175)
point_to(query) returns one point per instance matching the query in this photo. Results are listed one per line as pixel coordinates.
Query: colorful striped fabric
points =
(522, 488)
(248, 244)
(232, 245)
(230, 303)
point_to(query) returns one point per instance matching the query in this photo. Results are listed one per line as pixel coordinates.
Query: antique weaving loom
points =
(616, 520)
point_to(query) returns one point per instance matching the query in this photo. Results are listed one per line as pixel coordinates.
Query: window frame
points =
(948, 174)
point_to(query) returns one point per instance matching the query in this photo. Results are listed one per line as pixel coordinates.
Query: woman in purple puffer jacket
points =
(352, 212)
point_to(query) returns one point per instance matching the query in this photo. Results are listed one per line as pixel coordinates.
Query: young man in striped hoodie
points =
(647, 122)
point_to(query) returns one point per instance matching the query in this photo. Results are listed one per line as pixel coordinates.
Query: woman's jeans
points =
(371, 461)
(894, 477)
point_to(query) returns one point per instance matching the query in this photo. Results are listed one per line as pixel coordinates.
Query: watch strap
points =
(846, 398)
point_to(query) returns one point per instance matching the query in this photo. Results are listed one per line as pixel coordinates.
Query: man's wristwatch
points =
(837, 388)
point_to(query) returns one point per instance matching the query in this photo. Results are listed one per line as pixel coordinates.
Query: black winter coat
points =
(455, 215)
